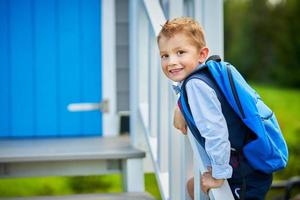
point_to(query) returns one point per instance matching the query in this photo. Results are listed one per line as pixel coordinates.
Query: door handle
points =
(85, 107)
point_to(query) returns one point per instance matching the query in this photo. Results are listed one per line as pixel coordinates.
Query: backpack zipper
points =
(268, 117)
(235, 94)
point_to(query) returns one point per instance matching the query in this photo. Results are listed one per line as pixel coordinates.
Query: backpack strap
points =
(216, 58)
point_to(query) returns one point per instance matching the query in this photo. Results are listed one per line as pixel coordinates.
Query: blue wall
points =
(50, 56)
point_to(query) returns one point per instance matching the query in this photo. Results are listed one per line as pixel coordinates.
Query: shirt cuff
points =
(221, 171)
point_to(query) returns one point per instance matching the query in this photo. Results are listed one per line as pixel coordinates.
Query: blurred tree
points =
(286, 43)
(262, 39)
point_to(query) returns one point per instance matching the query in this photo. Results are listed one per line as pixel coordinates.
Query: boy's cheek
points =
(164, 69)
(165, 73)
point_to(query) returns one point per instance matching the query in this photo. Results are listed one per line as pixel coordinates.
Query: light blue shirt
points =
(207, 113)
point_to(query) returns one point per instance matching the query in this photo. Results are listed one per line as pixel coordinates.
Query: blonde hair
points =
(184, 25)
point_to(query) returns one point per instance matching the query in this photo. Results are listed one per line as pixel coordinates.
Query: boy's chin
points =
(177, 79)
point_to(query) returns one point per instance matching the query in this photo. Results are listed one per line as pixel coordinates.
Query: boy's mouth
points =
(175, 71)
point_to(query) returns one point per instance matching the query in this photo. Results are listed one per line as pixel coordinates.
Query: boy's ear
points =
(203, 54)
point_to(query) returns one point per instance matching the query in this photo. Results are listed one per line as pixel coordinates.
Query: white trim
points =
(155, 14)
(199, 11)
(210, 15)
(134, 15)
(109, 89)
(214, 26)
(133, 175)
(176, 8)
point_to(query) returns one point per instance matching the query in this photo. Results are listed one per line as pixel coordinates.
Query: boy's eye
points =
(163, 56)
(180, 52)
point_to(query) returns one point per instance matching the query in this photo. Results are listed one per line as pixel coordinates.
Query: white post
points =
(133, 175)
(153, 83)
(109, 67)
(133, 172)
(143, 57)
(176, 8)
(188, 163)
(163, 123)
(133, 67)
(209, 13)
(199, 156)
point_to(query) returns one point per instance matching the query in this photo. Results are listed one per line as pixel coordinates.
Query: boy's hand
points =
(208, 182)
(179, 121)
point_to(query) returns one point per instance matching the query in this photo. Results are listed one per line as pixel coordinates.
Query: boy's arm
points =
(207, 181)
(179, 122)
(207, 113)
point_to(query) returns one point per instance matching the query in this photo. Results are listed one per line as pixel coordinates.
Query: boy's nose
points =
(172, 61)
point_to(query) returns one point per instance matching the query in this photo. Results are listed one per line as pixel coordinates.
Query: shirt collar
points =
(177, 85)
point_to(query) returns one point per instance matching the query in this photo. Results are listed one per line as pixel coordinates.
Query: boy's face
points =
(179, 57)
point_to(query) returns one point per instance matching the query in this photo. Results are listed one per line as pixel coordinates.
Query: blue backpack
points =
(268, 151)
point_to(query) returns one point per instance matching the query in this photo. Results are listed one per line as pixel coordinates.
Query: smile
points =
(174, 71)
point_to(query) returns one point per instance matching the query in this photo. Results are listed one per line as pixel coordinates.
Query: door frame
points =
(108, 49)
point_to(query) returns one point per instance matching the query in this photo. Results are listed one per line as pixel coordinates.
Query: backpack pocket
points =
(277, 146)
(264, 111)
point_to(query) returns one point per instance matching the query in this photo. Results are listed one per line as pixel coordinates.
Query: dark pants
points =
(256, 185)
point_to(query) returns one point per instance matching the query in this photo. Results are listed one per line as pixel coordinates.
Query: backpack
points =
(268, 151)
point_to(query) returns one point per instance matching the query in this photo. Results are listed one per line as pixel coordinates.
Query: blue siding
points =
(5, 114)
(49, 57)
(91, 81)
(22, 68)
(68, 54)
(46, 68)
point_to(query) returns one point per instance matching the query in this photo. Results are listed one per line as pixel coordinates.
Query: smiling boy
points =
(183, 50)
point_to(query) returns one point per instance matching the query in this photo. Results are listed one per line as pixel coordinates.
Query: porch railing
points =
(175, 158)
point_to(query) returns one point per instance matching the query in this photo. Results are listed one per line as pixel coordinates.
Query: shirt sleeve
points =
(207, 113)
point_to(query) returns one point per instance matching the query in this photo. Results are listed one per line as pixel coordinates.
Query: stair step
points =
(27, 157)
(111, 196)
(72, 148)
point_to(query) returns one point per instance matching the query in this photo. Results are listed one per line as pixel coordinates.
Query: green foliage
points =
(262, 40)
(50, 186)
(151, 186)
(93, 184)
(24, 187)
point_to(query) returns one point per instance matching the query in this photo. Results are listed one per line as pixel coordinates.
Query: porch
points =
(174, 158)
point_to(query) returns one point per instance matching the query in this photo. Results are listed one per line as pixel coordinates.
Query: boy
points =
(183, 49)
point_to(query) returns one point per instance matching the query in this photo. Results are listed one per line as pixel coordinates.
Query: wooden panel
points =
(22, 68)
(122, 55)
(4, 70)
(90, 63)
(122, 11)
(50, 57)
(122, 33)
(46, 68)
(69, 65)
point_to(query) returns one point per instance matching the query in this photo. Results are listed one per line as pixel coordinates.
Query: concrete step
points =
(111, 196)
(27, 157)
(70, 148)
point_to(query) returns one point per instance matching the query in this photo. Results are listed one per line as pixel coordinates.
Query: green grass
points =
(284, 102)
(51, 186)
